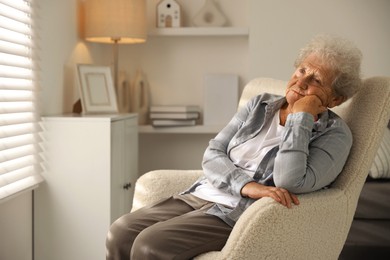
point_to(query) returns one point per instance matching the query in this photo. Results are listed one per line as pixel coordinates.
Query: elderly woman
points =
(274, 147)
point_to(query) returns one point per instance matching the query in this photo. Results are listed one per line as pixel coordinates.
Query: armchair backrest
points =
(261, 85)
(367, 114)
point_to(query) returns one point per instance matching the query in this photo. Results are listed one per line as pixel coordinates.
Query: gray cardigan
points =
(309, 156)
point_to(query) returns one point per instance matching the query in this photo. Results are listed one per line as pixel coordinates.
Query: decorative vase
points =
(209, 16)
(140, 97)
(123, 98)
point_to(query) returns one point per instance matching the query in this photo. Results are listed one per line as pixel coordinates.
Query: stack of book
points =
(174, 115)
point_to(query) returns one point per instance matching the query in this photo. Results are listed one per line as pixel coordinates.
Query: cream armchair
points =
(318, 227)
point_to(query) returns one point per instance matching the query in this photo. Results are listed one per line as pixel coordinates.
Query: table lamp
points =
(115, 22)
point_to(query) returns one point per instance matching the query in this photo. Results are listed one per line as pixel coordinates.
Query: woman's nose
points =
(302, 82)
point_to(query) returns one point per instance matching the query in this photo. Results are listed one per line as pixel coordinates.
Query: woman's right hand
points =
(256, 190)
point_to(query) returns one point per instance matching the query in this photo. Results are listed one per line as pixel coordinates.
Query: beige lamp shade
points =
(119, 21)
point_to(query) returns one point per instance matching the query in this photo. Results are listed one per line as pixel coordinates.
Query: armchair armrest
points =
(155, 185)
(268, 230)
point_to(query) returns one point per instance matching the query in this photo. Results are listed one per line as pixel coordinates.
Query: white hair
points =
(343, 57)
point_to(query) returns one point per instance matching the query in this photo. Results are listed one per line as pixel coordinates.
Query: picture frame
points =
(97, 92)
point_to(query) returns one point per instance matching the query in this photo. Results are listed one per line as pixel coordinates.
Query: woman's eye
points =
(317, 81)
(301, 71)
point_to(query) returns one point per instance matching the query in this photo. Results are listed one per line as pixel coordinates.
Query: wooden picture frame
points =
(96, 89)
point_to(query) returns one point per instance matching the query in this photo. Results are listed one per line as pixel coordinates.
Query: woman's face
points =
(313, 77)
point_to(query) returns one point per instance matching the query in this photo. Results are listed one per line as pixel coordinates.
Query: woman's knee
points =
(115, 233)
(148, 245)
(119, 238)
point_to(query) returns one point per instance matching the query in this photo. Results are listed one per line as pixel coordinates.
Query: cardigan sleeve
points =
(307, 162)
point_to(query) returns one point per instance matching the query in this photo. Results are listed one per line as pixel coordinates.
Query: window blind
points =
(19, 128)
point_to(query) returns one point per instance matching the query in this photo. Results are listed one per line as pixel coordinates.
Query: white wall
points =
(175, 66)
(279, 28)
(61, 49)
(16, 228)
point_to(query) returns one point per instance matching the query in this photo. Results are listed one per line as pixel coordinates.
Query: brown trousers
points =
(174, 228)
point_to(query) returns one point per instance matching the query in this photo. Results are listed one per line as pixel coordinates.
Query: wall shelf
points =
(198, 129)
(200, 31)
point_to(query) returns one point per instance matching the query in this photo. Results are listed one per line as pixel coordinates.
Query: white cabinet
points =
(91, 165)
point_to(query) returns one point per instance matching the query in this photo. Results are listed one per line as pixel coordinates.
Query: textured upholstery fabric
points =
(318, 227)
